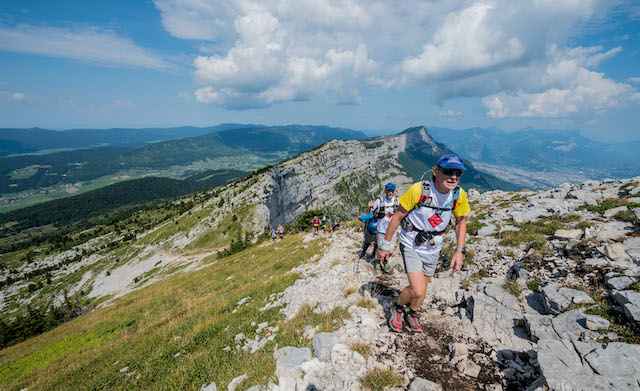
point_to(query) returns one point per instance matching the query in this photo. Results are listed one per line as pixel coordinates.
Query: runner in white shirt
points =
(383, 209)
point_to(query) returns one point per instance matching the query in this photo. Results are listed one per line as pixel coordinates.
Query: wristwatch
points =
(461, 249)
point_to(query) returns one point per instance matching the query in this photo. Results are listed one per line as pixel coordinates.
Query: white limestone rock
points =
(594, 322)
(420, 384)
(487, 230)
(609, 213)
(468, 368)
(630, 301)
(493, 312)
(579, 366)
(557, 298)
(616, 251)
(323, 344)
(633, 243)
(210, 387)
(234, 383)
(568, 325)
(289, 365)
(619, 283)
(568, 234)
(613, 230)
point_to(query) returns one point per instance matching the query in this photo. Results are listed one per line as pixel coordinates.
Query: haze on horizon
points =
(375, 65)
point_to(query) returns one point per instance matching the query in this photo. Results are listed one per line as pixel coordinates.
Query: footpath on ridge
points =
(548, 300)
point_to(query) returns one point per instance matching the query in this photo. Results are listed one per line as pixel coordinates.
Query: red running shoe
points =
(395, 322)
(412, 321)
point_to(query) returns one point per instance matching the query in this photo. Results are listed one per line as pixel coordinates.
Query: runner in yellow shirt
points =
(424, 213)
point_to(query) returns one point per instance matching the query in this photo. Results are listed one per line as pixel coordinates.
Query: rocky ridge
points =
(548, 300)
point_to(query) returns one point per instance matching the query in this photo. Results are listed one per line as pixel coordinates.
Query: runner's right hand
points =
(383, 255)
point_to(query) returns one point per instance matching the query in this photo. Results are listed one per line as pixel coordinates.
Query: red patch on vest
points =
(435, 220)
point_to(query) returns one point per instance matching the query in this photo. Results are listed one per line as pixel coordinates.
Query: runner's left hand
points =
(456, 261)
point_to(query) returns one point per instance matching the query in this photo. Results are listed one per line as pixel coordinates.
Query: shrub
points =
(303, 223)
(533, 285)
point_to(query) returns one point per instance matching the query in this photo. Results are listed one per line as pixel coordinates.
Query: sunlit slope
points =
(171, 335)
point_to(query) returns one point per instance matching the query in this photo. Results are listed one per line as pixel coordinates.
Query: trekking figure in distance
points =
(273, 234)
(424, 213)
(316, 225)
(370, 231)
(280, 231)
(383, 209)
(336, 223)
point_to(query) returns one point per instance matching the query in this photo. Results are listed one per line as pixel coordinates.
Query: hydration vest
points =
(420, 212)
(382, 209)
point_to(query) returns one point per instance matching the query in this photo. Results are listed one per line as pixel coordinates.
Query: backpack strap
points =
(379, 212)
(425, 200)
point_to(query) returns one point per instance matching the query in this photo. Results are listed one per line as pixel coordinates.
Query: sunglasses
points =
(451, 172)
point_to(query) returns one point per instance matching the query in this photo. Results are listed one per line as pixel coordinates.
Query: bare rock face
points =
(574, 365)
(557, 298)
(321, 178)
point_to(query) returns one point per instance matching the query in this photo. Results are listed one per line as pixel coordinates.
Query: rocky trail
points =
(548, 300)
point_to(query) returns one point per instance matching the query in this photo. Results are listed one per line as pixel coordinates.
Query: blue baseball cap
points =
(451, 161)
(390, 186)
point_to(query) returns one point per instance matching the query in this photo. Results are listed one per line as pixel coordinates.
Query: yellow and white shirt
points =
(428, 219)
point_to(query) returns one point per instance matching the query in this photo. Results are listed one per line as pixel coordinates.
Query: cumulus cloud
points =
(264, 67)
(588, 91)
(259, 53)
(103, 47)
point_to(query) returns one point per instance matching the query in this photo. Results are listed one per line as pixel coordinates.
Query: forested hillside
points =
(242, 149)
(69, 210)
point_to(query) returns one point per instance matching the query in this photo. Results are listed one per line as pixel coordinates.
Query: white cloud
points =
(633, 79)
(263, 68)
(449, 113)
(17, 96)
(588, 91)
(104, 47)
(515, 54)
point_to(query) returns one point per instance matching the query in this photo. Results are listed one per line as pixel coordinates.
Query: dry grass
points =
(362, 348)
(350, 290)
(367, 302)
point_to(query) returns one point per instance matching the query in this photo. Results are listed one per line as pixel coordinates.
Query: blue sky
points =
(372, 65)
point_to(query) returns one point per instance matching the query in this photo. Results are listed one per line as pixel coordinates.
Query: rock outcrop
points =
(550, 303)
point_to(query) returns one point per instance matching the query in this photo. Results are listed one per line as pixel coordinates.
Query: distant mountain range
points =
(266, 144)
(543, 150)
(21, 141)
(422, 153)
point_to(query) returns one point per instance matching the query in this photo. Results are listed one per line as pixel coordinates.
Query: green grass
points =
(192, 314)
(381, 379)
(532, 234)
(628, 330)
(533, 285)
(607, 204)
(473, 223)
(479, 275)
(512, 287)
(361, 348)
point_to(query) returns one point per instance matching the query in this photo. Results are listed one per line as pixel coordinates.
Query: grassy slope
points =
(191, 314)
